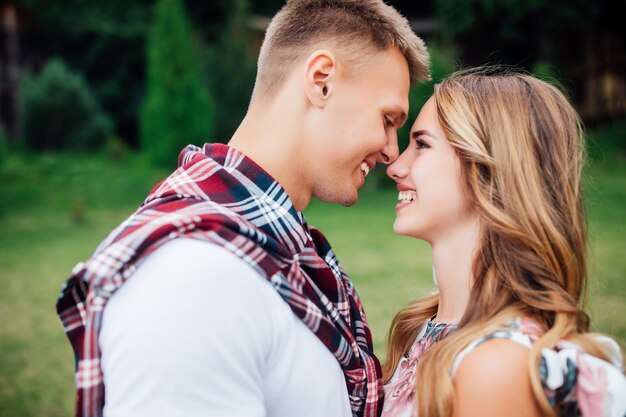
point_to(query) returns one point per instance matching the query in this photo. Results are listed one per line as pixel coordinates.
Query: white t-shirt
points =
(197, 332)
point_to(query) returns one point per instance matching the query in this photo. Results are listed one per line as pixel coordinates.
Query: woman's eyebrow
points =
(422, 132)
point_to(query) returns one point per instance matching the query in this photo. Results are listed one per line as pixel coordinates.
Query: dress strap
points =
(511, 331)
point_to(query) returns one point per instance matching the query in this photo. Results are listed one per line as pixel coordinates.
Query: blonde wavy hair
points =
(521, 148)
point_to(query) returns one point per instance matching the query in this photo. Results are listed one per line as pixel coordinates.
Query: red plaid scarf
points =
(220, 196)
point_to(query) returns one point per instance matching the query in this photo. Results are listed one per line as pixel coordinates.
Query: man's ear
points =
(320, 75)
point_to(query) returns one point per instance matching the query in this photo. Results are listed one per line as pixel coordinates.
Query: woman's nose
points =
(398, 169)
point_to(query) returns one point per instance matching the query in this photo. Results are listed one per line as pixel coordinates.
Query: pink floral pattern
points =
(400, 390)
(576, 383)
(592, 390)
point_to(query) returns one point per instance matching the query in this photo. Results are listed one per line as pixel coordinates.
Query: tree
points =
(60, 112)
(178, 108)
(232, 68)
(583, 39)
(100, 41)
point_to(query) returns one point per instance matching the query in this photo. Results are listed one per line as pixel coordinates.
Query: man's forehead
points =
(371, 62)
(382, 80)
(389, 71)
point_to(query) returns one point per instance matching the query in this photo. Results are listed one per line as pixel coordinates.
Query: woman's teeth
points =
(406, 196)
(365, 168)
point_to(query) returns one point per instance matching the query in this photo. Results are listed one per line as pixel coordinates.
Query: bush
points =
(59, 111)
(178, 109)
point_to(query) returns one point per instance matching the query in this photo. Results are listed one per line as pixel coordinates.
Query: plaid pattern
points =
(220, 196)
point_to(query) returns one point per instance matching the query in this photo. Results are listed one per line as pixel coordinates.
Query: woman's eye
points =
(389, 122)
(421, 144)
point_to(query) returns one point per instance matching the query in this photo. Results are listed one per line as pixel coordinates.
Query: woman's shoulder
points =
(515, 333)
(493, 379)
(573, 380)
(501, 359)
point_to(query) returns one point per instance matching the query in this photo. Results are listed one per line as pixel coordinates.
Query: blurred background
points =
(97, 99)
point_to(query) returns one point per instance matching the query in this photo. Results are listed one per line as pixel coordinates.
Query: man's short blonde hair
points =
(358, 27)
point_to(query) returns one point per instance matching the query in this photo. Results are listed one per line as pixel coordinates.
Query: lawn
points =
(54, 210)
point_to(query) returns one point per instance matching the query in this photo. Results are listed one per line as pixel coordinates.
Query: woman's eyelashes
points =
(421, 144)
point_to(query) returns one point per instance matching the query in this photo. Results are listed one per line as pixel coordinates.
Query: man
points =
(215, 297)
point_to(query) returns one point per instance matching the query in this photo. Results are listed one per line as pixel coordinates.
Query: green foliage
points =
(178, 108)
(546, 72)
(82, 19)
(511, 16)
(231, 69)
(3, 147)
(460, 17)
(608, 141)
(59, 111)
(100, 40)
(517, 32)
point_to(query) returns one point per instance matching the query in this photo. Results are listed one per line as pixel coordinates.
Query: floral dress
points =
(578, 384)
(400, 390)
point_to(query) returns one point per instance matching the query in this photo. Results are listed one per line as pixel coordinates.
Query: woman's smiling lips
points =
(406, 195)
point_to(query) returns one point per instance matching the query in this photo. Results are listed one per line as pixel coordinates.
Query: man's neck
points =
(270, 140)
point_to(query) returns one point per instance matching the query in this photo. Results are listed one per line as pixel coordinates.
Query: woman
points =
(492, 181)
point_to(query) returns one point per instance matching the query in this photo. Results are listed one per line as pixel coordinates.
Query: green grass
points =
(605, 192)
(55, 209)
